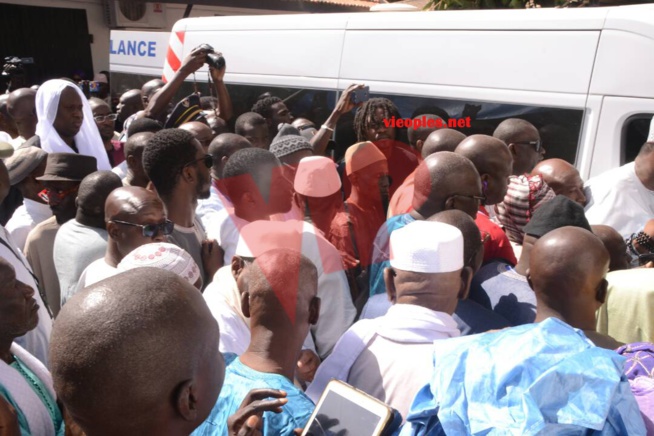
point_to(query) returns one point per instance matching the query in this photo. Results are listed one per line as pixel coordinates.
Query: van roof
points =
(634, 19)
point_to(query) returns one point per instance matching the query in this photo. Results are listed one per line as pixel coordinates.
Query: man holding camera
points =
(204, 54)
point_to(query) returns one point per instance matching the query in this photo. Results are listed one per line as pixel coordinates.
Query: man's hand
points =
(217, 75)
(247, 419)
(307, 365)
(345, 104)
(194, 61)
(212, 257)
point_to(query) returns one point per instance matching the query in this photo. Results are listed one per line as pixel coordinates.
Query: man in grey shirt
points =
(83, 239)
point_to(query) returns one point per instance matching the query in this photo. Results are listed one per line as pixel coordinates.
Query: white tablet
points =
(343, 410)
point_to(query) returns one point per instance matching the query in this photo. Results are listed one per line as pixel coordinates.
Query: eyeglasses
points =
(151, 230)
(102, 118)
(49, 193)
(207, 159)
(536, 144)
(477, 198)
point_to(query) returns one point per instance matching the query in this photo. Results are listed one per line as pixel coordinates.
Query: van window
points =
(559, 128)
(634, 134)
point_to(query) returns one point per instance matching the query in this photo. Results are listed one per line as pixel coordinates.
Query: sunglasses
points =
(151, 230)
(49, 193)
(207, 160)
(538, 145)
(102, 118)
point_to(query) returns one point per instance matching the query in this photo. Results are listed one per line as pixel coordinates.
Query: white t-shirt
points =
(224, 227)
(25, 218)
(95, 272)
(618, 198)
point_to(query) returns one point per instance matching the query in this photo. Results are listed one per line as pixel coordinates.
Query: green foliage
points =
(441, 5)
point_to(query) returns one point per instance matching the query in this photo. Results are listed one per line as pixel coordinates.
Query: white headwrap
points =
(87, 140)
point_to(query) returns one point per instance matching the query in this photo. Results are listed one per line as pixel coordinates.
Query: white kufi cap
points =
(427, 247)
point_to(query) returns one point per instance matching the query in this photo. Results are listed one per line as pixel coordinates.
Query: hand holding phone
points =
(361, 95)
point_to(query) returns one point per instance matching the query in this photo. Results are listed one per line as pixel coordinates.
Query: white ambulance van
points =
(583, 76)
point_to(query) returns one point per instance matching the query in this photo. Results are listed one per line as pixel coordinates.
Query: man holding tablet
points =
(390, 356)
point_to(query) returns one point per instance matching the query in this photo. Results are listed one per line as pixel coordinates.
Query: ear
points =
(466, 279)
(484, 183)
(602, 291)
(186, 400)
(76, 202)
(419, 144)
(449, 203)
(187, 174)
(528, 272)
(389, 281)
(245, 304)
(314, 310)
(237, 267)
(112, 230)
(514, 150)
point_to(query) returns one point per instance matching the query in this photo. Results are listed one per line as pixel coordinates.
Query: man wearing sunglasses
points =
(524, 143)
(134, 216)
(63, 174)
(178, 168)
(105, 121)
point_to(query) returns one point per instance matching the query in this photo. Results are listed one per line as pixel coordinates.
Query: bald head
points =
(218, 125)
(150, 88)
(147, 332)
(563, 178)
(92, 194)
(95, 103)
(426, 124)
(222, 147)
(281, 284)
(129, 104)
(200, 131)
(21, 106)
(128, 201)
(566, 270)
(442, 140)
(615, 245)
(493, 161)
(6, 122)
(521, 136)
(444, 181)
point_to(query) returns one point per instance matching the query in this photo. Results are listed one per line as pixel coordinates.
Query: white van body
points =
(597, 61)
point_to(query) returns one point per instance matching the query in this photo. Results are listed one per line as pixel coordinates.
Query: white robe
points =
(390, 357)
(35, 412)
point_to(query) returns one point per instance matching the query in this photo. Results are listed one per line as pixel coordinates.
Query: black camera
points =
(213, 59)
(13, 65)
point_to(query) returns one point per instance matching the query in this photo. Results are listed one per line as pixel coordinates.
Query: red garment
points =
(402, 201)
(364, 224)
(497, 246)
(117, 154)
(402, 161)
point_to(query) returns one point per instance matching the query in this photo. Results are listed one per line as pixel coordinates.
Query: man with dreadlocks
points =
(369, 125)
(274, 111)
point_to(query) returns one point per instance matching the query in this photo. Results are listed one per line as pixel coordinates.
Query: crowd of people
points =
(171, 267)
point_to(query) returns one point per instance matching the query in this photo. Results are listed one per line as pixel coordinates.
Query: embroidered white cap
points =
(316, 176)
(427, 247)
(164, 256)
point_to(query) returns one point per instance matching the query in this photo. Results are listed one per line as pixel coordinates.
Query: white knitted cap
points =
(427, 247)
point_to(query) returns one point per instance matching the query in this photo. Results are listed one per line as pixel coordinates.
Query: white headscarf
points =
(87, 140)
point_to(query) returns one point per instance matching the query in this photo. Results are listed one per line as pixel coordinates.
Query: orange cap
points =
(361, 155)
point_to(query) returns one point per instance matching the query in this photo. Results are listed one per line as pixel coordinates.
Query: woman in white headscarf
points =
(87, 140)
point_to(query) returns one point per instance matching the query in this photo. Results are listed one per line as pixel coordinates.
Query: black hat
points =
(68, 167)
(188, 109)
(288, 141)
(556, 213)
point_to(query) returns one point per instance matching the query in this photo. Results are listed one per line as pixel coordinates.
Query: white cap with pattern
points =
(427, 247)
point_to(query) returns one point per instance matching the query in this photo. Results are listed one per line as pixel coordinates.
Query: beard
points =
(203, 190)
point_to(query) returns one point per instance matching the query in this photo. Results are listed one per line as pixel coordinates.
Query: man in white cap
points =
(24, 167)
(391, 357)
(318, 192)
(66, 123)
